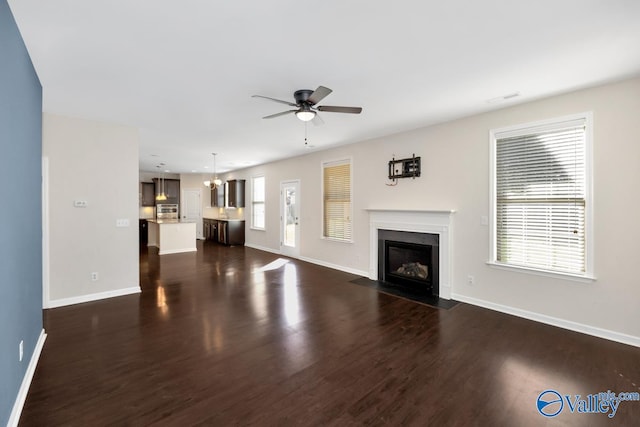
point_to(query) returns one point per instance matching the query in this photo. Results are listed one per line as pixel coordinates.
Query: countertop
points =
(224, 219)
(170, 221)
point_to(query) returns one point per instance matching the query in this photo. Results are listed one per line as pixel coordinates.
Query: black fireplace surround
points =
(409, 260)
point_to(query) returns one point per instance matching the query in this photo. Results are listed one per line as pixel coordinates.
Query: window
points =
(257, 203)
(541, 196)
(336, 179)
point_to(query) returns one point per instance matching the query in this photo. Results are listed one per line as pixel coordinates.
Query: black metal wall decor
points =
(404, 168)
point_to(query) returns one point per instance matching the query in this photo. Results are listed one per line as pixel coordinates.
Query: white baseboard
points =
(553, 321)
(263, 248)
(177, 251)
(92, 297)
(313, 261)
(26, 382)
(335, 266)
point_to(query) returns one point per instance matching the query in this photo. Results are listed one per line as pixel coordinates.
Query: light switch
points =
(484, 220)
(80, 203)
(123, 222)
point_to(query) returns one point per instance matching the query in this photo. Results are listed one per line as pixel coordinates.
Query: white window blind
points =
(258, 202)
(540, 203)
(337, 200)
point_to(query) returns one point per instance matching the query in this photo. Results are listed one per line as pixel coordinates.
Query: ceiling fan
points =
(306, 108)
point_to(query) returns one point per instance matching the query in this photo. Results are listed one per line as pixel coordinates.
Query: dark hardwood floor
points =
(231, 336)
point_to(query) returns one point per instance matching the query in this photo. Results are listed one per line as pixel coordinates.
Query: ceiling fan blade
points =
(276, 100)
(317, 120)
(334, 109)
(319, 94)
(279, 114)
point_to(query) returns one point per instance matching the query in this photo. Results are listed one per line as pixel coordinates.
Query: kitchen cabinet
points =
(171, 190)
(217, 196)
(226, 232)
(148, 194)
(231, 232)
(235, 199)
(210, 229)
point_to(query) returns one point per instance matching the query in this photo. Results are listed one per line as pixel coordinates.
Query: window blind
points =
(541, 197)
(337, 200)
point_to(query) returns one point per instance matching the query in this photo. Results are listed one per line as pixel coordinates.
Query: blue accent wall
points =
(21, 219)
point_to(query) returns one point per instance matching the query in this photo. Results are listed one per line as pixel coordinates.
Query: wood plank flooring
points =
(233, 336)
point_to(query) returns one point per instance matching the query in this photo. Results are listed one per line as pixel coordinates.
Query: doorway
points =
(290, 218)
(191, 209)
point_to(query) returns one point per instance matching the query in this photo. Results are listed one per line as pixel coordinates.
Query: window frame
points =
(540, 126)
(323, 166)
(254, 202)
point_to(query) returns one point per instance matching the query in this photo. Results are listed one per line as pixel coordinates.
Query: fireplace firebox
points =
(409, 260)
(408, 264)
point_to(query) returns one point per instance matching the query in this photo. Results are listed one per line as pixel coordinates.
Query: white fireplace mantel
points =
(419, 221)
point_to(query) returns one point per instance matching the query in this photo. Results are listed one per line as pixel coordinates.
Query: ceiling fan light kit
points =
(305, 116)
(305, 102)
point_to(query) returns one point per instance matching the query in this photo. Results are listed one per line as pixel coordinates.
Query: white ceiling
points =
(183, 72)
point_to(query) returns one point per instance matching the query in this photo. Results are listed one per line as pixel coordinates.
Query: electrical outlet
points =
(471, 280)
(21, 350)
(80, 203)
(94, 276)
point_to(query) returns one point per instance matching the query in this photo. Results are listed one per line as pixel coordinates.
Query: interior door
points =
(191, 209)
(290, 218)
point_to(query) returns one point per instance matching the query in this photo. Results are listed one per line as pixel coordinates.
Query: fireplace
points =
(408, 264)
(422, 227)
(409, 260)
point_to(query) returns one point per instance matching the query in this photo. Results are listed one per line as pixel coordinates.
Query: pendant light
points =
(215, 181)
(161, 196)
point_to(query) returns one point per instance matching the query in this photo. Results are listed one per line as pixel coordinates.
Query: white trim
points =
(93, 297)
(253, 202)
(46, 269)
(545, 273)
(553, 321)
(438, 222)
(323, 165)
(177, 251)
(312, 261)
(26, 381)
(552, 123)
(295, 253)
(263, 248)
(334, 266)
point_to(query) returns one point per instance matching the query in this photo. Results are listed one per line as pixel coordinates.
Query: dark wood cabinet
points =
(217, 196)
(148, 194)
(224, 231)
(171, 190)
(210, 229)
(235, 199)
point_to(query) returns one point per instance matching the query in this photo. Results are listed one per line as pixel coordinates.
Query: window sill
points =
(584, 278)
(257, 229)
(331, 239)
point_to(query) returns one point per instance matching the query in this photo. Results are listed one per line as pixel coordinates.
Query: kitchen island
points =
(172, 236)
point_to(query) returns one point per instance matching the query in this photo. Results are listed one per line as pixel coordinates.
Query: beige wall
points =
(455, 175)
(98, 163)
